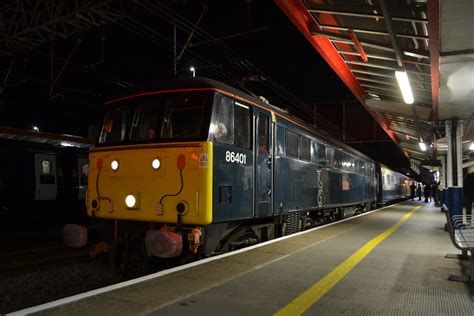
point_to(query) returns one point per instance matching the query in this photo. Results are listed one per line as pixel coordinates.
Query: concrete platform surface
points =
(389, 262)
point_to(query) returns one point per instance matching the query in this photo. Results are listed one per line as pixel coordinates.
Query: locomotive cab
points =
(151, 163)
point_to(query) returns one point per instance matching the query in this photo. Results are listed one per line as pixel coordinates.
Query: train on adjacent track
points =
(198, 168)
(42, 186)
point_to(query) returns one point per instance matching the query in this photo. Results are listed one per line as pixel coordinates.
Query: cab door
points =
(263, 163)
(82, 174)
(45, 177)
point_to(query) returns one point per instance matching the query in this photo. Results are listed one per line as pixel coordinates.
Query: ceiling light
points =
(67, 144)
(422, 146)
(374, 96)
(405, 88)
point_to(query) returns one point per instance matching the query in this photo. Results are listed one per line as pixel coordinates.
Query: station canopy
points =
(367, 41)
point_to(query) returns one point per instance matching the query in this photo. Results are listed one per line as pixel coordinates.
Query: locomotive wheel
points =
(238, 233)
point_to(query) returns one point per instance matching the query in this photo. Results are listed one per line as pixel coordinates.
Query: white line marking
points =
(78, 297)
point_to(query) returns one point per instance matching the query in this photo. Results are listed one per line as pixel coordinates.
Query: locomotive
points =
(200, 168)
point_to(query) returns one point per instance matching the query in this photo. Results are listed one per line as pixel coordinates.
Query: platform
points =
(388, 262)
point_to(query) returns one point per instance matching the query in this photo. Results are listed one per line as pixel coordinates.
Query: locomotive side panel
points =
(232, 183)
(316, 174)
(296, 184)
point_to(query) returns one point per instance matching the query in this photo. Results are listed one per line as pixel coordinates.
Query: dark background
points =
(245, 43)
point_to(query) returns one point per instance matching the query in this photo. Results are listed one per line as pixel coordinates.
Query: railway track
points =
(15, 263)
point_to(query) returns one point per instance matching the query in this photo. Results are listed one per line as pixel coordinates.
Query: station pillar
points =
(454, 157)
(454, 165)
(443, 173)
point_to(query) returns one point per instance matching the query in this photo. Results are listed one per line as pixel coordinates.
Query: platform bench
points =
(461, 232)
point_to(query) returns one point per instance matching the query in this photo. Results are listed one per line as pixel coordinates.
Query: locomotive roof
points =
(201, 82)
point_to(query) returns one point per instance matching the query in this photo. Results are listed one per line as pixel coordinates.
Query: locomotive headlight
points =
(114, 165)
(130, 201)
(156, 163)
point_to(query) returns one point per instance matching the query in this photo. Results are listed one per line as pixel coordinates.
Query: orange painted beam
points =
(433, 29)
(302, 19)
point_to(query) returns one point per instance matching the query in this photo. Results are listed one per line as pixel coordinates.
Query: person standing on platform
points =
(468, 192)
(427, 192)
(435, 193)
(412, 191)
(418, 191)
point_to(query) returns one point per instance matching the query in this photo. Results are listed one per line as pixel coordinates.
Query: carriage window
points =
(337, 162)
(321, 154)
(232, 125)
(145, 122)
(85, 169)
(329, 155)
(47, 173)
(280, 139)
(291, 144)
(183, 117)
(305, 149)
(115, 125)
(241, 125)
(348, 163)
(362, 168)
(84, 172)
(357, 165)
(224, 118)
(46, 166)
(157, 117)
(263, 139)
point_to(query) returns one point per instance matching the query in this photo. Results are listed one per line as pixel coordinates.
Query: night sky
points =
(113, 61)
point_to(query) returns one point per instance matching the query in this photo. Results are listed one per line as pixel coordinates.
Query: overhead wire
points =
(234, 58)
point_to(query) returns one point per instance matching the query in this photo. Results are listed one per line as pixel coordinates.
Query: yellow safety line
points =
(300, 304)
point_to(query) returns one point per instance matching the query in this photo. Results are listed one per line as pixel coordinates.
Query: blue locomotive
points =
(204, 168)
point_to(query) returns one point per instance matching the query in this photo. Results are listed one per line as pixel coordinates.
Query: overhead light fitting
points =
(374, 96)
(193, 70)
(405, 88)
(422, 146)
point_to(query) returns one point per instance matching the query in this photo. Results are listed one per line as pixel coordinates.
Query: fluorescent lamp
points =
(422, 146)
(471, 147)
(374, 96)
(405, 88)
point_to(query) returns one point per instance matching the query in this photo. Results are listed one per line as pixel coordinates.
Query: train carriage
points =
(41, 185)
(393, 185)
(206, 168)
